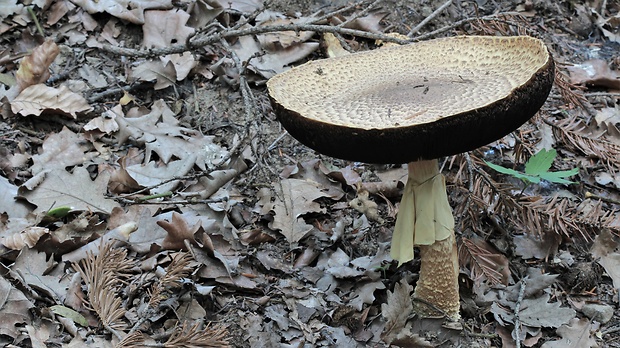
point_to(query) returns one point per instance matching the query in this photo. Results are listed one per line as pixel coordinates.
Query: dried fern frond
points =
(504, 25)
(577, 135)
(193, 335)
(176, 270)
(132, 340)
(483, 261)
(102, 275)
(541, 215)
(571, 93)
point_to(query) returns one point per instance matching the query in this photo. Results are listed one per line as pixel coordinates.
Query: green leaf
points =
(514, 173)
(537, 167)
(69, 313)
(557, 177)
(540, 162)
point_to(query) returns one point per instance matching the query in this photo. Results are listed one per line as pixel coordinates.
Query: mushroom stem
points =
(425, 220)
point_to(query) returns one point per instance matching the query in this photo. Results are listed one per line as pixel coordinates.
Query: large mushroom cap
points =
(420, 101)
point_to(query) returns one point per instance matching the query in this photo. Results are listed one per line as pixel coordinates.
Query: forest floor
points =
(150, 197)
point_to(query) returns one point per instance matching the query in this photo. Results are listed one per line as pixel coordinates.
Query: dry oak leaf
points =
(271, 62)
(294, 198)
(76, 190)
(8, 205)
(61, 150)
(575, 334)
(25, 238)
(164, 75)
(129, 10)
(14, 309)
(165, 28)
(34, 68)
(396, 310)
(159, 132)
(39, 98)
(33, 267)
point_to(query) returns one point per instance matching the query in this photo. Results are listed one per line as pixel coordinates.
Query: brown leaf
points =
(61, 150)
(8, 205)
(26, 238)
(39, 98)
(396, 310)
(33, 267)
(159, 132)
(595, 72)
(14, 309)
(76, 190)
(272, 62)
(34, 68)
(165, 28)
(129, 10)
(295, 198)
(575, 334)
(178, 231)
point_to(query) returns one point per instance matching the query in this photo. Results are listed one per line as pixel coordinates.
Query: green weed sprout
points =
(537, 168)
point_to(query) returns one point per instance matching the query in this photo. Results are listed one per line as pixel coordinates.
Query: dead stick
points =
(430, 18)
(517, 309)
(213, 38)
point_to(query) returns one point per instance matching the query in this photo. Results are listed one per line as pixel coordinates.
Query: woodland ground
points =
(151, 198)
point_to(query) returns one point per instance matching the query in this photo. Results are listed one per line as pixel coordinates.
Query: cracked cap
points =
(419, 101)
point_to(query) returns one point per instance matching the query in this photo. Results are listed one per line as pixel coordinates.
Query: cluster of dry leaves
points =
(122, 223)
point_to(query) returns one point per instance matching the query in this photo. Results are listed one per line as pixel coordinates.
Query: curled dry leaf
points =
(34, 68)
(364, 205)
(28, 237)
(116, 237)
(595, 72)
(39, 98)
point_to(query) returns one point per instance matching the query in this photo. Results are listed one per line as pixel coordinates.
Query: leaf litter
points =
(136, 212)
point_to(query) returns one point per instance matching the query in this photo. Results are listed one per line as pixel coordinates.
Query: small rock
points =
(599, 312)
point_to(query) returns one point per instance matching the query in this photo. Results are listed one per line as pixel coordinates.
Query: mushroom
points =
(414, 104)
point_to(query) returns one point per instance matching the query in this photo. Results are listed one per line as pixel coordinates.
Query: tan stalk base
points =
(438, 283)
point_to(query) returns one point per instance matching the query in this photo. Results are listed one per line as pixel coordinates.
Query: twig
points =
(460, 23)
(36, 20)
(179, 202)
(590, 195)
(429, 18)
(275, 142)
(112, 91)
(211, 39)
(517, 309)
(360, 14)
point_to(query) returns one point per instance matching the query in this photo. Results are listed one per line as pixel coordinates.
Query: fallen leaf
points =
(575, 334)
(594, 72)
(33, 266)
(604, 250)
(34, 68)
(295, 198)
(271, 62)
(14, 309)
(25, 238)
(159, 132)
(76, 190)
(8, 192)
(129, 10)
(540, 313)
(396, 310)
(36, 99)
(61, 150)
